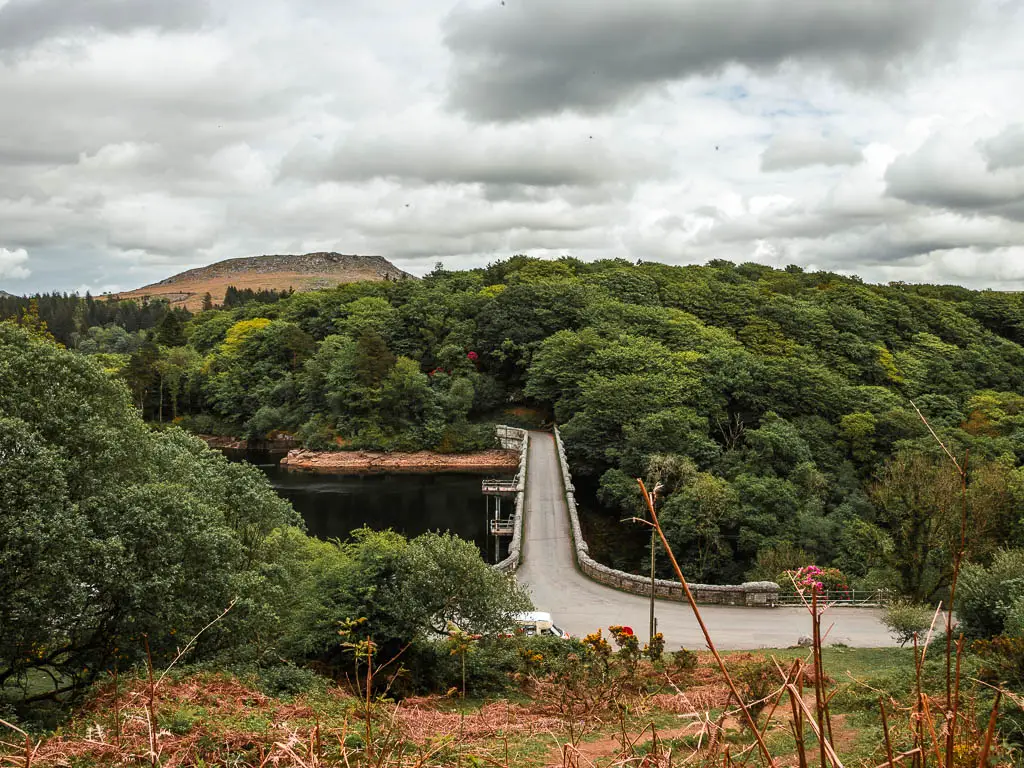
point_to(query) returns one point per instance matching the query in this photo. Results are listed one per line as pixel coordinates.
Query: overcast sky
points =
(883, 138)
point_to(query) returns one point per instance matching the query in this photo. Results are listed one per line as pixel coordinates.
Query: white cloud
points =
(12, 264)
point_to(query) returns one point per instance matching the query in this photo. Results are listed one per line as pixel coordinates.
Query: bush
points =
(180, 721)
(905, 619)
(432, 668)
(491, 667)
(684, 660)
(1002, 665)
(1002, 660)
(403, 591)
(288, 680)
(629, 648)
(318, 434)
(990, 601)
(655, 649)
(773, 560)
(757, 681)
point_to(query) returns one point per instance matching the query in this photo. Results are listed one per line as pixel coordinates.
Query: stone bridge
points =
(583, 595)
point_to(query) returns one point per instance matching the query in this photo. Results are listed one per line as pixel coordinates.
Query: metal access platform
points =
(502, 527)
(493, 487)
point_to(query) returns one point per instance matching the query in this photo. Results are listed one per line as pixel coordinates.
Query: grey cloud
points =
(911, 242)
(459, 155)
(24, 23)
(79, 111)
(14, 155)
(412, 252)
(621, 192)
(1005, 150)
(949, 173)
(524, 59)
(480, 219)
(789, 151)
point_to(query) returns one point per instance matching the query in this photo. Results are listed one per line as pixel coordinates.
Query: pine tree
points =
(171, 331)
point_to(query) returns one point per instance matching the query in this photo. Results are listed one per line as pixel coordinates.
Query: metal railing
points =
(868, 598)
(503, 527)
(500, 487)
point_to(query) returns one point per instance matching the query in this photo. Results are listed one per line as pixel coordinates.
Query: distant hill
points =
(6, 295)
(306, 272)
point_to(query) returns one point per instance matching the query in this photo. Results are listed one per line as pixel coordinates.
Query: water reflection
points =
(334, 505)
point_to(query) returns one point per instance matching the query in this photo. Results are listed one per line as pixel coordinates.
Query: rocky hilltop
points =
(305, 272)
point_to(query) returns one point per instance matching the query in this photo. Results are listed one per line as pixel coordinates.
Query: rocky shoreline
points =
(238, 444)
(362, 462)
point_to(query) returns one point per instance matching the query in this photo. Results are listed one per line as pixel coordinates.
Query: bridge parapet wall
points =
(514, 438)
(752, 593)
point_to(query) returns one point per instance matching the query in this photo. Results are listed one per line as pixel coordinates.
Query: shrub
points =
(990, 601)
(405, 590)
(318, 434)
(462, 436)
(288, 680)
(656, 648)
(905, 619)
(491, 668)
(757, 681)
(1002, 665)
(629, 648)
(180, 721)
(684, 660)
(597, 645)
(1003, 660)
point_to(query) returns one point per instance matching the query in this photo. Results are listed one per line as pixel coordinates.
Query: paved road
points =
(580, 605)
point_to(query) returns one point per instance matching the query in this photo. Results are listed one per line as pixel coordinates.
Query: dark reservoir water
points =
(334, 505)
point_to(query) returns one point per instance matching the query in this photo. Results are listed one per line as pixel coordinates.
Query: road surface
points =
(580, 605)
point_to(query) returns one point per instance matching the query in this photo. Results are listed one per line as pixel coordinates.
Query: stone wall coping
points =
(766, 592)
(511, 562)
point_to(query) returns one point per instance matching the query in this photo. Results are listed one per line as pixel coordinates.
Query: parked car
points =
(539, 623)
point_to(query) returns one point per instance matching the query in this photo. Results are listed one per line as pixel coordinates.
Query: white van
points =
(539, 623)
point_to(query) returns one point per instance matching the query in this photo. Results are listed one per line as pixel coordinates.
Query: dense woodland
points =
(776, 407)
(73, 319)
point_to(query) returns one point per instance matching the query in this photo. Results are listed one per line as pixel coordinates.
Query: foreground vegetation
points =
(582, 705)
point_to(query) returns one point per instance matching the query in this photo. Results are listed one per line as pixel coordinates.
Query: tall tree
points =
(109, 532)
